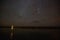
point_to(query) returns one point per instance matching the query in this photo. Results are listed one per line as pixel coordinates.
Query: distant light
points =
(12, 27)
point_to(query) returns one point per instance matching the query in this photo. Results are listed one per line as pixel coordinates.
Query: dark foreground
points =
(30, 34)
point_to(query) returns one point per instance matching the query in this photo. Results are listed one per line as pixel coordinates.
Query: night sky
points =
(19, 13)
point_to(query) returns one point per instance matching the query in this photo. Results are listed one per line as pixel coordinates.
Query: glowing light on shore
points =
(12, 27)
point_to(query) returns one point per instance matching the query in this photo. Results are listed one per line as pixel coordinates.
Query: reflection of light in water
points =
(12, 32)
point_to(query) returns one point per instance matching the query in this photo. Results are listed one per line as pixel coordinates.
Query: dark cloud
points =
(19, 12)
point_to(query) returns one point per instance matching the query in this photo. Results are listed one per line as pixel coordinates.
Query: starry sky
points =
(19, 13)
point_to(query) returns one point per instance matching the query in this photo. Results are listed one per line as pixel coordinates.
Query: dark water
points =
(30, 34)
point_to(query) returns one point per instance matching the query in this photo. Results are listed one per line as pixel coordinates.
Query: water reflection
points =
(29, 34)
